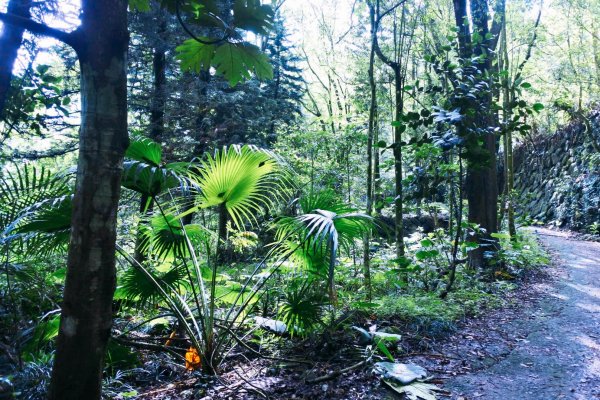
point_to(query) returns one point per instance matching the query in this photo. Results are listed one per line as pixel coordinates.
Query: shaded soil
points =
(544, 345)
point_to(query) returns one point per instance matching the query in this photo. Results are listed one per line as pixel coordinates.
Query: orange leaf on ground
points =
(192, 359)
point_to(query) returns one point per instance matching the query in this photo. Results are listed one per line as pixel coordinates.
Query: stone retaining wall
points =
(557, 178)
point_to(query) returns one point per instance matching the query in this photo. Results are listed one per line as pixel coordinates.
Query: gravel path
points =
(557, 351)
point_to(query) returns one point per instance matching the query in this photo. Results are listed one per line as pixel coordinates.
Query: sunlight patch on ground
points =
(559, 296)
(593, 369)
(589, 307)
(588, 342)
(587, 289)
(584, 263)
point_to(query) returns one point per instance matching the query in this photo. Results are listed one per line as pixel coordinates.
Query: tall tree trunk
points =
(482, 180)
(398, 163)
(399, 74)
(377, 194)
(159, 64)
(157, 121)
(596, 49)
(508, 145)
(86, 316)
(10, 41)
(370, 150)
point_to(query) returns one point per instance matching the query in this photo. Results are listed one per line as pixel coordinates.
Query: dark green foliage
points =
(302, 307)
(25, 187)
(165, 236)
(134, 284)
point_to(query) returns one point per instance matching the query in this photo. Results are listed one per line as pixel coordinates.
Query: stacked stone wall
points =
(557, 177)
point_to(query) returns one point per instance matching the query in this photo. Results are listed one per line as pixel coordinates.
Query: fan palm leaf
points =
(164, 236)
(145, 173)
(137, 286)
(244, 179)
(320, 233)
(26, 186)
(45, 226)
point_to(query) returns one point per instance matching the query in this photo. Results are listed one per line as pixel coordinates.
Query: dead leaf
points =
(416, 390)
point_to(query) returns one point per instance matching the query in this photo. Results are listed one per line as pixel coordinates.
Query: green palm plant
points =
(302, 308)
(45, 226)
(240, 181)
(145, 173)
(325, 226)
(28, 197)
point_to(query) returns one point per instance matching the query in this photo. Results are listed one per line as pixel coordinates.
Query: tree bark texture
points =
(86, 318)
(370, 150)
(10, 41)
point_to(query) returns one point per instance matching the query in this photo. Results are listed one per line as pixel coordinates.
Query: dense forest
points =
(350, 199)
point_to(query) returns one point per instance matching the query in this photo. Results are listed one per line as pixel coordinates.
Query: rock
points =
(271, 325)
(400, 373)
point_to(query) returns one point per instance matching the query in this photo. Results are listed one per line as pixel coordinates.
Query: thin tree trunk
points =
(508, 145)
(398, 202)
(377, 194)
(157, 121)
(370, 150)
(10, 41)
(159, 64)
(86, 316)
(399, 74)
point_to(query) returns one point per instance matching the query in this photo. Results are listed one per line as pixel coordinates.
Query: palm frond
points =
(42, 228)
(26, 186)
(144, 150)
(163, 236)
(137, 286)
(144, 172)
(323, 200)
(320, 232)
(245, 179)
(301, 309)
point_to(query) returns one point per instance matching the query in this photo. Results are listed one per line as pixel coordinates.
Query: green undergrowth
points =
(425, 313)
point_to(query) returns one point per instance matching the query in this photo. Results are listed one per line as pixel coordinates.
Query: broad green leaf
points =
(251, 15)
(383, 348)
(538, 107)
(238, 61)
(426, 243)
(195, 56)
(500, 235)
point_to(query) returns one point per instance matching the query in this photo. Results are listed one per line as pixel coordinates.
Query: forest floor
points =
(544, 345)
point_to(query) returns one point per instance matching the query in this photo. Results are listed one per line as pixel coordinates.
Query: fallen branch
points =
(337, 373)
(149, 346)
(257, 353)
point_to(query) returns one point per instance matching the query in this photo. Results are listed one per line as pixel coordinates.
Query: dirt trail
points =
(555, 351)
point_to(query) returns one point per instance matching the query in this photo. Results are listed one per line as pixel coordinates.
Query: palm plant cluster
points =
(178, 267)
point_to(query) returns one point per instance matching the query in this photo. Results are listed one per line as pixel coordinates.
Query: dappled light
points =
(283, 199)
